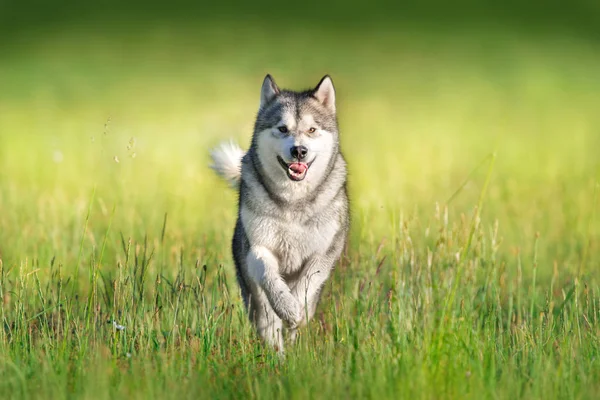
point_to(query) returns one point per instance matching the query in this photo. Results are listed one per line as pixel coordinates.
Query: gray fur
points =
(289, 234)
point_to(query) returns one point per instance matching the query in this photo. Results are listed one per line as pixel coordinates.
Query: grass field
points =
(473, 265)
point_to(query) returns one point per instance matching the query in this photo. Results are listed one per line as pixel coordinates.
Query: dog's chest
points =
(292, 237)
(294, 243)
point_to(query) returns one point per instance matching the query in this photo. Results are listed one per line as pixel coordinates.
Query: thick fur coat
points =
(293, 215)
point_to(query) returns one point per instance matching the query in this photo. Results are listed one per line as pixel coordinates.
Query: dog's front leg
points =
(263, 268)
(309, 284)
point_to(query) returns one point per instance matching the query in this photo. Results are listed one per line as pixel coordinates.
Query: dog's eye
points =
(311, 130)
(283, 129)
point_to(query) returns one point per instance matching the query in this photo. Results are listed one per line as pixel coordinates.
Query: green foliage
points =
(472, 268)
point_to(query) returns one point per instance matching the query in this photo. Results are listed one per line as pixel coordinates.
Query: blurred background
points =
(114, 105)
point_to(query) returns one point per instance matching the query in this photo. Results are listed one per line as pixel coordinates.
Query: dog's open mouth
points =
(296, 171)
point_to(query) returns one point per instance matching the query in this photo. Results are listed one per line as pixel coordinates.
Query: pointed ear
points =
(325, 93)
(268, 91)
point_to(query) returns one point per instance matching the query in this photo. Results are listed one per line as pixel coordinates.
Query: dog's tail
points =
(227, 162)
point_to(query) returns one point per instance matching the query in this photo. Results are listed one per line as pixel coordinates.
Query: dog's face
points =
(296, 134)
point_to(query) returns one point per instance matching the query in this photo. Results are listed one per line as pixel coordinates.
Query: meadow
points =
(473, 263)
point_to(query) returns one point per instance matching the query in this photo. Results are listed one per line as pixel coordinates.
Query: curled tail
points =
(227, 162)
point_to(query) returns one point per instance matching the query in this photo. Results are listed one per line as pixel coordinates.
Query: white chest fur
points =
(291, 237)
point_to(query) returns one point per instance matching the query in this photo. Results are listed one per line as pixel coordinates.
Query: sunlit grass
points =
(103, 176)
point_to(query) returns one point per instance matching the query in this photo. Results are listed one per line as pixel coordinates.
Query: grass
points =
(472, 267)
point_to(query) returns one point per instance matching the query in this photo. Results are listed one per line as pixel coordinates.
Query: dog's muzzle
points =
(296, 171)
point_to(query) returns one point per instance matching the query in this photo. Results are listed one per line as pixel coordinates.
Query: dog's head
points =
(296, 133)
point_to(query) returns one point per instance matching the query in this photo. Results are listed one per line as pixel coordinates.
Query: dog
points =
(293, 209)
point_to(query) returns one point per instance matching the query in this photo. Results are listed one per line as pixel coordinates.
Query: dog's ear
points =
(325, 93)
(268, 91)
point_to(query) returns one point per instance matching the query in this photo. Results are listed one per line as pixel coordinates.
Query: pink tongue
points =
(298, 168)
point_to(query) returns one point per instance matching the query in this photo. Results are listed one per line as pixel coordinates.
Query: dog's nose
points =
(299, 152)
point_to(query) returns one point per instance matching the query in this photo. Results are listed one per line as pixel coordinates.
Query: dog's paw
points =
(298, 320)
(292, 313)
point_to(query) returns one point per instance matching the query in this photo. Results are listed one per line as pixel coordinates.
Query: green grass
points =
(473, 264)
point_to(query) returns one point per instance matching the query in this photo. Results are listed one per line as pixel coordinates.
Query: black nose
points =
(299, 152)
